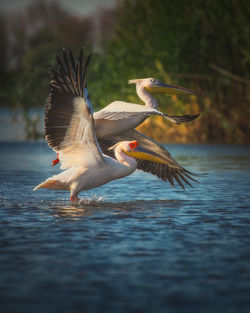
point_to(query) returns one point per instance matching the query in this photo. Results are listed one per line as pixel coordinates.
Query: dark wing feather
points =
(70, 71)
(172, 171)
(183, 118)
(79, 76)
(72, 61)
(57, 121)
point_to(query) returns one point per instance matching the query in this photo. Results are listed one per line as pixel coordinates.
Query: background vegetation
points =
(201, 44)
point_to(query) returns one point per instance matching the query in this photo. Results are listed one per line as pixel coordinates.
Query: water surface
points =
(133, 245)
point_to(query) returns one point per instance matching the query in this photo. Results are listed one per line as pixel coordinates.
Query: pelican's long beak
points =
(145, 154)
(160, 87)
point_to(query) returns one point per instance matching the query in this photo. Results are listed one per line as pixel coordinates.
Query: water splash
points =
(90, 200)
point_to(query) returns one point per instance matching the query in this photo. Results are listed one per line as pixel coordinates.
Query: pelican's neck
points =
(125, 159)
(146, 97)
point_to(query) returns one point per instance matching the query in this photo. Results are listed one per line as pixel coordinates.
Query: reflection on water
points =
(93, 206)
(134, 245)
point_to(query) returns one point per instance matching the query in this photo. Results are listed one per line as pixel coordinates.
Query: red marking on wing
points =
(54, 162)
(133, 144)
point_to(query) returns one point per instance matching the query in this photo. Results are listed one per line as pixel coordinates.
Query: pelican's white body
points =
(80, 178)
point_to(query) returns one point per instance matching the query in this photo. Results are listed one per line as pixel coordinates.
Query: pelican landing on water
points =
(70, 131)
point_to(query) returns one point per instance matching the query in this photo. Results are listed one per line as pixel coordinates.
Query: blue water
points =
(133, 245)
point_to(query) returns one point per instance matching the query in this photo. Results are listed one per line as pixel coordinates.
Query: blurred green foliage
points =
(201, 44)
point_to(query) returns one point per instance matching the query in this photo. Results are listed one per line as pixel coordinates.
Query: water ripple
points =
(134, 245)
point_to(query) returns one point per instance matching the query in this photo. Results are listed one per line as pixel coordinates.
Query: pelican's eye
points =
(133, 145)
(152, 80)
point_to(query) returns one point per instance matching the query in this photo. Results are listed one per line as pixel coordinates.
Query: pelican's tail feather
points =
(52, 184)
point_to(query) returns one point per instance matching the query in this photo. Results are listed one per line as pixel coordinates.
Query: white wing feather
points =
(119, 110)
(83, 148)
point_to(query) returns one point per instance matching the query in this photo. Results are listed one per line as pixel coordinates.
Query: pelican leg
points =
(74, 199)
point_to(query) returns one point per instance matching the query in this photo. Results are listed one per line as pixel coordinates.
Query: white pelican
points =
(119, 117)
(69, 130)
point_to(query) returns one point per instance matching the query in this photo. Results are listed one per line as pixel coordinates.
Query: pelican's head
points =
(153, 85)
(134, 150)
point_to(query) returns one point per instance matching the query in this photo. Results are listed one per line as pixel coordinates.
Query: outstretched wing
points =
(69, 124)
(171, 171)
(119, 110)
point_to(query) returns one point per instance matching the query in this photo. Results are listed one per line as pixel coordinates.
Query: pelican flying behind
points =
(119, 117)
